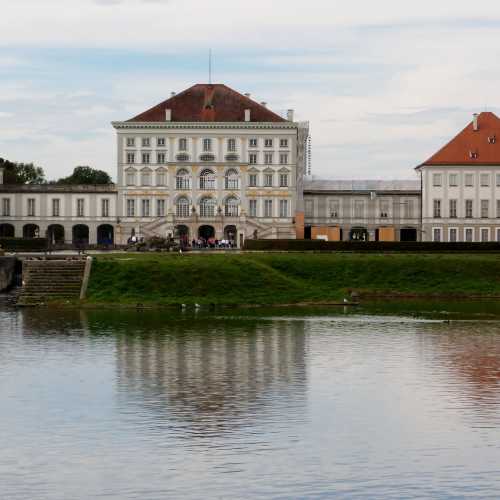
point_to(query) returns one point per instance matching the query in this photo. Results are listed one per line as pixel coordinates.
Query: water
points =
(261, 404)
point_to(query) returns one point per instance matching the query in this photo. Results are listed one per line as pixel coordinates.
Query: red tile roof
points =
(208, 103)
(472, 147)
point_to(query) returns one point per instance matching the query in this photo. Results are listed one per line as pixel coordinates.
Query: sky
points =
(383, 84)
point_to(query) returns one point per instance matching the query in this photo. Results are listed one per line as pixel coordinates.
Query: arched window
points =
(146, 177)
(182, 179)
(231, 207)
(207, 207)
(182, 207)
(207, 179)
(232, 179)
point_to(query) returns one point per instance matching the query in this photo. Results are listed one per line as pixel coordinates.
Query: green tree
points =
(22, 173)
(86, 175)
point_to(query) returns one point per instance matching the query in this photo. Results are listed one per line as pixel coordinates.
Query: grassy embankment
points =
(163, 279)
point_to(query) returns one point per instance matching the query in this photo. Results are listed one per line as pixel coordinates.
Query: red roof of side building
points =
(208, 103)
(472, 147)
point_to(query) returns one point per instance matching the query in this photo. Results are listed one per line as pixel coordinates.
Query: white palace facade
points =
(213, 163)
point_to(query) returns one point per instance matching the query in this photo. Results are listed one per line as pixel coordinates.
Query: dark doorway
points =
(55, 234)
(307, 232)
(358, 234)
(105, 235)
(80, 235)
(230, 233)
(7, 231)
(408, 234)
(206, 232)
(182, 233)
(31, 231)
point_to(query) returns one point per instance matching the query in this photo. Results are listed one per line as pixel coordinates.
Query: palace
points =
(210, 162)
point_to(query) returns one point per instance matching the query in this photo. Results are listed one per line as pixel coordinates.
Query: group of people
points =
(212, 243)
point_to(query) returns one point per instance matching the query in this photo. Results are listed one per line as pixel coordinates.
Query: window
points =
(334, 209)
(384, 209)
(498, 180)
(359, 209)
(182, 207)
(469, 209)
(231, 180)
(252, 158)
(268, 143)
(104, 207)
(437, 180)
(268, 180)
(160, 208)
(130, 157)
(146, 142)
(131, 178)
(80, 207)
(485, 234)
(283, 159)
(160, 142)
(268, 208)
(453, 235)
(6, 207)
(182, 180)
(207, 180)
(469, 180)
(252, 143)
(283, 208)
(130, 208)
(252, 180)
(453, 180)
(31, 207)
(145, 208)
(252, 208)
(268, 158)
(207, 207)
(436, 234)
(469, 235)
(283, 180)
(437, 209)
(485, 209)
(231, 207)
(160, 158)
(453, 209)
(160, 178)
(309, 208)
(146, 178)
(498, 209)
(485, 180)
(146, 157)
(130, 142)
(283, 143)
(183, 144)
(207, 144)
(231, 145)
(408, 209)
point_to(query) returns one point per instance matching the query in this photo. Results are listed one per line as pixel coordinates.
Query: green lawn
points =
(281, 278)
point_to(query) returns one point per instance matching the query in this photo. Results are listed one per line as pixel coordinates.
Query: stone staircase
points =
(51, 280)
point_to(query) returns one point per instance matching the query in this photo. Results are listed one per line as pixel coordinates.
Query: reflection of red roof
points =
(208, 103)
(471, 147)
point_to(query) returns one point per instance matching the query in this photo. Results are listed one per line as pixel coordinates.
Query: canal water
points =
(285, 403)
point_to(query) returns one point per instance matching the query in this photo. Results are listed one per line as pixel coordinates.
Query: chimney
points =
(247, 94)
(1, 175)
(289, 115)
(172, 94)
(263, 103)
(247, 115)
(475, 122)
(168, 115)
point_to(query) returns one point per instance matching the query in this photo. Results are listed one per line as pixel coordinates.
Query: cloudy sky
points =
(383, 84)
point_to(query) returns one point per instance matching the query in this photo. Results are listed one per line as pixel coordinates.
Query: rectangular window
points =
(453, 209)
(485, 234)
(104, 207)
(146, 142)
(56, 207)
(469, 209)
(145, 208)
(437, 209)
(453, 235)
(160, 208)
(252, 180)
(436, 234)
(384, 209)
(146, 178)
(283, 208)
(408, 209)
(268, 158)
(160, 158)
(207, 145)
(231, 145)
(453, 180)
(252, 208)
(485, 180)
(130, 157)
(359, 209)
(130, 178)
(160, 142)
(31, 207)
(130, 142)
(469, 180)
(252, 158)
(437, 180)
(183, 144)
(283, 159)
(268, 143)
(485, 209)
(268, 208)
(80, 207)
(498, 209)
(283, 143)
(6, 207)
(283, 180)
(309, 208)
(469, 235)
(145, 157)
(498, 180)
(160, 178)
(334, 209)
(252, 143)
(130, 208)
(268, 180)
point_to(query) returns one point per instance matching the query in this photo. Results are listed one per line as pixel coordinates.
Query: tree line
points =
(28, 173)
